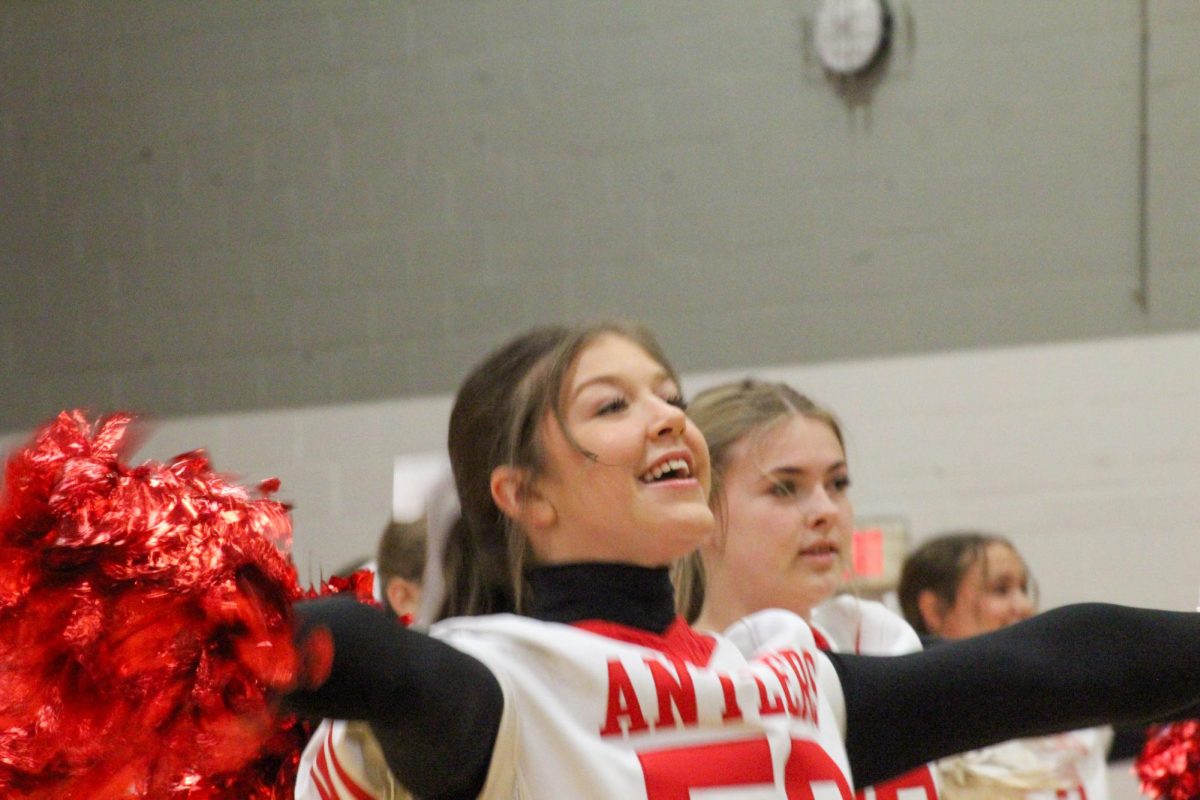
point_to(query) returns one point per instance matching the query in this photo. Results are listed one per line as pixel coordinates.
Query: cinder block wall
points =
(236, 206)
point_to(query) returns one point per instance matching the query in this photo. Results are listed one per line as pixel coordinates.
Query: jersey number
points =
(915, 785)
(809, 774)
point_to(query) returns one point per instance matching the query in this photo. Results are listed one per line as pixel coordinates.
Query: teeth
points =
(670, 465)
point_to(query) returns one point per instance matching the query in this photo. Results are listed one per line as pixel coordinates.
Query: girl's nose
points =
(672, 421)
(820, 509)
(1023, 606)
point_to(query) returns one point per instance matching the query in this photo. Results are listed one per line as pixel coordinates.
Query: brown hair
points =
(401, 552)
(939, 565)
(495, 421)
(727, 414)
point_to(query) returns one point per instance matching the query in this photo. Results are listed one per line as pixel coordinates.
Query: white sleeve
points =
(864, 627)
(342, 761)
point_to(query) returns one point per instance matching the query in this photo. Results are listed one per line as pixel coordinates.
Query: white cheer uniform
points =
(604, 711)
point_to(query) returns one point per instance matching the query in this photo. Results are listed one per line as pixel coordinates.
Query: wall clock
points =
(850, 36)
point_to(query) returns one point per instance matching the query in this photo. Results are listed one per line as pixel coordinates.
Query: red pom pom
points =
(146, 615)
(361, 583)
(1169, 764)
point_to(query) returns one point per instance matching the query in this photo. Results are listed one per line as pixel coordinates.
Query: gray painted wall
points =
(210, 207)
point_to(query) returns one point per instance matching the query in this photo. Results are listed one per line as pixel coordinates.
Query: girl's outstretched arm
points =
(434, 709)
(1071, 667)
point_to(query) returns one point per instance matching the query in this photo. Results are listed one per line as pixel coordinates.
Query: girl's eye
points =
(613, 406)
(1006, 587)
(841, 484)
(677, 401)
(783, 489)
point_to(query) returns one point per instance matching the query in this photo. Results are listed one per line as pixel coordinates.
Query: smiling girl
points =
(578, 469)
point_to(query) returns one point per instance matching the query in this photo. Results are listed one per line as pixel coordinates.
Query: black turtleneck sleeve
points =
(1068, 668)
(434, 709)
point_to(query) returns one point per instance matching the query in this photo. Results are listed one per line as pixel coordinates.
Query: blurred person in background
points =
(964, 583)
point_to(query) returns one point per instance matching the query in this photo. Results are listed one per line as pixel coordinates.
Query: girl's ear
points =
(515, 495)
(932, 610)
(403, 595)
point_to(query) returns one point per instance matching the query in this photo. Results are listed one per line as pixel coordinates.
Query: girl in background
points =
(966, 583)
(400, 561)
(784, 523)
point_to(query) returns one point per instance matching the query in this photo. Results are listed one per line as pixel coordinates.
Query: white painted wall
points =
(1086, 454)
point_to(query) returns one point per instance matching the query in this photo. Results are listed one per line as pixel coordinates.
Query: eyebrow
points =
(612, 379)
(789, 471)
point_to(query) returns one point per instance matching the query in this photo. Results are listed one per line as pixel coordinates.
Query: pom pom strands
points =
(1168, 767)
(144, 622)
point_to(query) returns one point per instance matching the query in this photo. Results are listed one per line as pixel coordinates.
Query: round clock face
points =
(849, 34)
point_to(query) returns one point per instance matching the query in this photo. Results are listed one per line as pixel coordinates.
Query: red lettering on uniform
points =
(804, 668)
(766, 703)
(672, 773)
(807, 765)
(920, 778)
(789, 698)
(622, 703)
(673, 693)
(732, 709)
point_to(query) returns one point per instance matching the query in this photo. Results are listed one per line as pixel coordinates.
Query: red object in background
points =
(146, 618)
(867, 551)
(1168, 767)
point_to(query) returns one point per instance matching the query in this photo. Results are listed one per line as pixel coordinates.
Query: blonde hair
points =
(728, 414)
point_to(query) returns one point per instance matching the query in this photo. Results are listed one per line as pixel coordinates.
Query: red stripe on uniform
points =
(320, 771)
(322, 789)
(356, 791)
